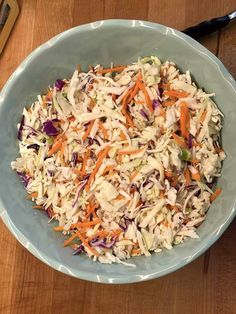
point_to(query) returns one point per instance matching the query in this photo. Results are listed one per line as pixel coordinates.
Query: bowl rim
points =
(86, 275)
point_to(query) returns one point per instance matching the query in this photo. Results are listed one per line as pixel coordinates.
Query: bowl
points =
(121, 42)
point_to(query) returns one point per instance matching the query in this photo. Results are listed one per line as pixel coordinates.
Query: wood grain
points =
(208, 285)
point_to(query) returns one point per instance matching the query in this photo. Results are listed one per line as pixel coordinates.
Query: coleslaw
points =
(125, 158)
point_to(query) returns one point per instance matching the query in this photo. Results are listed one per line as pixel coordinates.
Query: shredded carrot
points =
(86, 224)
(57, 145)
(168, 103)
(91, 210)
(85, 160)
(184, 119)
(135, 251)
(101, 157)
(89, 128)
(115, 69)
(196, 176)
(37, 207)
(113, 97)
(117, 232)
(139, 102)
(169, 174)
(133, 175)
(108, 169)
(71, 119)
(175, 93)
(203, 116)
(162, 193)
(119, 197)
(85, 243)
(32, 195)
(58, 228)
(147, 98)
(129, 120)
(75, 128)
(165, 86)
(162, 112)
(122, 136)
(71, 238)
(63, 146)
(215, 194)
(179, 140)
(103, 130)
(130, 152)
(187, 176)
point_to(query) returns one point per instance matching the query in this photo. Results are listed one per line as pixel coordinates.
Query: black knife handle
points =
(207, 27)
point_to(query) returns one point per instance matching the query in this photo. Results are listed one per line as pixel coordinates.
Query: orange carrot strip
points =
(139, 102)
(187, 176)
(147, 98)
(168, 103)
(175, 93)
(75, 129)
(196, 176)
(169, 174)
(89, 128)
(113, 97)
(32, 195)
(203, 116)
(86, 224)
(115, 69)
(101, 157)
(107, 169)
(58, 228)
(103, 130)
(68, 241)
(85, 160)
(85, 243)
(130, 152)
(71, 119)
(179, 140)
(136, 251)
(184, 119)
(215, 194)
(122, 136)
(133, 175)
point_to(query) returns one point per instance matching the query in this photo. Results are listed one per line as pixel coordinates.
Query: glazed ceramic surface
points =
(121, 42)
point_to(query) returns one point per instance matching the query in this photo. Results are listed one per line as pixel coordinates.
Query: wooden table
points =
(208, 285)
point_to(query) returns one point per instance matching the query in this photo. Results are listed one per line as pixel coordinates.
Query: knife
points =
(211, 26)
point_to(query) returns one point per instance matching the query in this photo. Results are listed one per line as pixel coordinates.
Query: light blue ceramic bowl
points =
(120, 41)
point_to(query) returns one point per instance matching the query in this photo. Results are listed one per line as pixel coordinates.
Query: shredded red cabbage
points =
(49, 128)
(80, 188)
(24, 178)
(59, 84)
(144, 114)
(19, 134)
(155, 104)
(74, 159)
(190, 141)
(80, 249)
(103, 243)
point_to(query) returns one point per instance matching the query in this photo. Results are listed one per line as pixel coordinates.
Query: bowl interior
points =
(102, 42)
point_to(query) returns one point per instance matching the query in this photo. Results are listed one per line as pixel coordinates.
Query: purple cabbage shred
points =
(190, 141)
(49, 128)
(80, 249)
(144, 114)
(59, 84)
(155, 104)
(24, 178)
(19, 134)
(74, 159)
